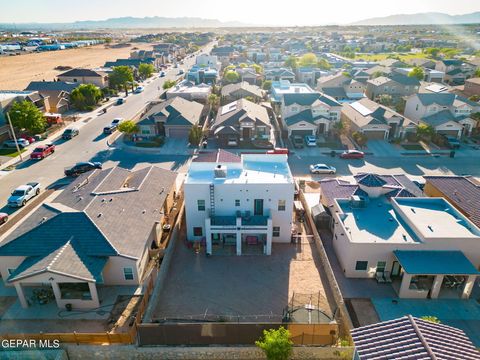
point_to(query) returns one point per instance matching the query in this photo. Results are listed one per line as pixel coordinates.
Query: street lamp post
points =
(14, 136)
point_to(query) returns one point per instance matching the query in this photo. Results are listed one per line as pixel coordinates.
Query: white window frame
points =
(125, 274)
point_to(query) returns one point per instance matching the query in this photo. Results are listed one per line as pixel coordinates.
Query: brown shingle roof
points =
(221, 156)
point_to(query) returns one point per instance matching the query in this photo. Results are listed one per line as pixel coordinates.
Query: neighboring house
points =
(463, 192)
(341, 87)
(306, 75)
(97, 233)
(422, 62)
(241, 90)
(472, 87)
(58, 93)
(396, 85)
(279, 74)
(280, 88)
(172, 118)
(85, 76)
(378, 70)
(409, 337)
(189, 91)
(249, 75)
(392, 63)
(202, 75)
(239, 205)
(376, 121)
(243, 121)
(448, 113)
(9, 97)
(309, 113)
(206, 60)
(434, 76)
(456, 71)
(422, 241)
(133, 63)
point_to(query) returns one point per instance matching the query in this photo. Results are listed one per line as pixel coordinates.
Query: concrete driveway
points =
(176, 146)
(382, 148)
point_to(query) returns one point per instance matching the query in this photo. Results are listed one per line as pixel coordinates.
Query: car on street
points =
(70, 133)
(29, 138)
(42, 151)
(3, 218)
(82, 167)
(120, 101)
(278, 151)
(322, 169)
(22, 143)
(297, 142)
(109, 129)
(352, 154)
(181, 72)
(310, 140)
(162, 74)
(24, 193)
(452, 142)
(139, 89)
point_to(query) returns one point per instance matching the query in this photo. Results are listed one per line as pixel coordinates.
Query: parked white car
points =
(322, 169)
(23, 193)
(310, 140)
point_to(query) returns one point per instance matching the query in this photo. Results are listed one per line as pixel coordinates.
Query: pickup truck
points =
(42, 151)
(23, 193)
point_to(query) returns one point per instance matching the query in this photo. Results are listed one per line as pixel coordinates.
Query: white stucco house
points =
(97, 232)
(426, 246)
(448, 113)
(239, 203)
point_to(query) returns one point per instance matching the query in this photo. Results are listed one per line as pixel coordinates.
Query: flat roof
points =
(435, 262)
(254, 169)
(436, 218)
(376, 222)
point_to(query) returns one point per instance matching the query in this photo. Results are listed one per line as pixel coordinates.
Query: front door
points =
(246, 133)
(258, 207)
(395, 269)
(321, 129)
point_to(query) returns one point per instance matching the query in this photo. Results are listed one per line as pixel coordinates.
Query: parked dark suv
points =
(70, 133)
(81, 168)
(297, 142)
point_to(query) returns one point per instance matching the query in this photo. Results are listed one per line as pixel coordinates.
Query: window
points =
(381, 266)
(237, 202)
(361, 265)
(201, 205)
(198, 231)
(276, 231)
(281, 205)
(128, 273)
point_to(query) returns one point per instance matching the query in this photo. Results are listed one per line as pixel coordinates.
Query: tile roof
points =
(462, 191)
(236, 111)
(404, 79)
(301, 98)
(440, 118)
(305, 115)
(254, 90)
(371, 180)
(412, 338)
(52, 86)
(221, 156)
(178, 111)
(81, 73)
(445, 99)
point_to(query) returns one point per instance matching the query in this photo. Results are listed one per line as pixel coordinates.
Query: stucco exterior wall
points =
(113, 271)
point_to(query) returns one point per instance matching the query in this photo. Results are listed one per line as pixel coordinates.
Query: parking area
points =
(382, 148)
(253, 288)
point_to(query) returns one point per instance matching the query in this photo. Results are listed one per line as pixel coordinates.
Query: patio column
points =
(268, 247)
(93, 293)
(238, 235)
(57, 293)
(208, 236)
(21, 295)
(467, 290)
(405, 285)
(436, 286)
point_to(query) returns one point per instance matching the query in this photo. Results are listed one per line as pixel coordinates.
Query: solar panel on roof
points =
(230, 107)
(361, 108)
(436, 88)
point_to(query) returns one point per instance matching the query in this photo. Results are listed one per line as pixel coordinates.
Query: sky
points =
(257, 12)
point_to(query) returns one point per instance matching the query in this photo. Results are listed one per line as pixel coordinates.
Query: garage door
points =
(453, 133)
(178, 132)
(302, 132)
(375, 134)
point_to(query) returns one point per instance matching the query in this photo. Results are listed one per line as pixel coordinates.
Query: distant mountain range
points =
(430, 18)
(127, 23)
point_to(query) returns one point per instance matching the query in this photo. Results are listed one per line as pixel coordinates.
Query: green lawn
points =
(10, 152)
(412, 147)
(380, 57)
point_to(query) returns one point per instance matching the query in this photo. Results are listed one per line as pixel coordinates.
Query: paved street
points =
(92, 145)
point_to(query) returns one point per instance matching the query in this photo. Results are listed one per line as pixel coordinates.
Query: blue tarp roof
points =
(434, 262)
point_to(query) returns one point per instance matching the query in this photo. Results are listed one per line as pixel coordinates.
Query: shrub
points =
(276, 344)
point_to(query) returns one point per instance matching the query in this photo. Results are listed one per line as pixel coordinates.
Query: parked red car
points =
(29, 138)
(278, 151)
(352, 154)
(3, 218)
(42, 151)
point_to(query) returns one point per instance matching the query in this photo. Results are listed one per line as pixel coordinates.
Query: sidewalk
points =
(82, 121)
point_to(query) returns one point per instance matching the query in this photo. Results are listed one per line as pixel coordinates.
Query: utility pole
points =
(14, 136)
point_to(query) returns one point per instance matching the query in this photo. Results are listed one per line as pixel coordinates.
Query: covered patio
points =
(433, 274)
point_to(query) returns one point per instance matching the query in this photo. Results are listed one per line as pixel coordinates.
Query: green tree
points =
(213, 101)
(308, 60)
(475, 98)
(85, 96)
(276, 344)
(120, 77)
(267, 85)
(417, 72)
(477, 73)
(195, 135)
(243, 65)
(432, 319)
(145, 70)
(291, 62)
(425, 132)
(385, 99)
(168, 84)
(324, 64)
(25, 115)
(231, 76)
(258, 69)
(360, 138)
(432, 52)
(128, 127)
(377, 74)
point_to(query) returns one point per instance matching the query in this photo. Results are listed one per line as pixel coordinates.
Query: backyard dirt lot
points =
(16, 72)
